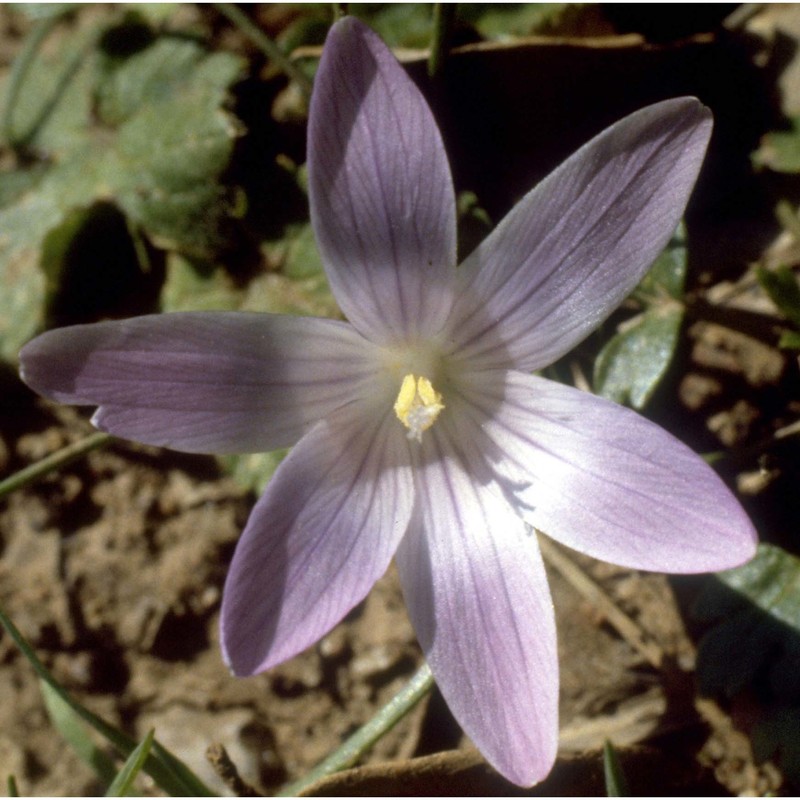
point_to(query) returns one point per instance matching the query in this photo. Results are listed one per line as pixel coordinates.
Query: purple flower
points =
(419, 430)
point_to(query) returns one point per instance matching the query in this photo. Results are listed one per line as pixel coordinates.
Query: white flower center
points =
(418, 405)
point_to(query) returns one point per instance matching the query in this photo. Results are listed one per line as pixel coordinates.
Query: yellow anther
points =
(418, 405)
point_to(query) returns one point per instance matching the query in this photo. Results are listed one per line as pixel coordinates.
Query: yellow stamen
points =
(418, 405)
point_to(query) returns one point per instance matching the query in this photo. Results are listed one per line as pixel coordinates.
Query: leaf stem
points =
(365, 737)
(65, 455)
(265, 44)
(444, 15)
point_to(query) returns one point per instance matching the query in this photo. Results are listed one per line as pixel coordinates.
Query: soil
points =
(113, 567)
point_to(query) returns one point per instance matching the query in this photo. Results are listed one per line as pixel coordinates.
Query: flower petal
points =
(321, 535)
(608, 482)
(576, 245)
(203, 382)
(477, 594)
(381, 194)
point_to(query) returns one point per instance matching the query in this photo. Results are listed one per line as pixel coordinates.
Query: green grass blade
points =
(358, 743)
(60, 458)
(616, 785)
(13, 791)
(169, 772)
(76, 733)
(122, 783)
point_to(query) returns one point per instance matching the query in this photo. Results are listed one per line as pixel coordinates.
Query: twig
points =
(585, 586)
(221, 763)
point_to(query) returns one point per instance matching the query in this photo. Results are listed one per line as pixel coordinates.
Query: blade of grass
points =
(55, 460)
(76, 733)
(266, 45)
(616, 785)
(123, 782)
(365, 737)
(444, 15)
(168, 771)
(13, 791)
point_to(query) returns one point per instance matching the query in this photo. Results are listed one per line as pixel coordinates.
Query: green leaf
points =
(34, 11)
(781, 286)
(150, 75)
(168, 771)
(398, 24)
(296, 252)
(123, 782)
(790, 340)
(632, 363)
(76, 733)
(755, 646)
(23, 227)
(165, 143)
(616, 784)
(628, 369)
(667, 277)
(165, 176)
(198, 287)
(157, 14)
(253, 470)
(173, 142)
(770, 583)
(495, 21)
(780, 150)
(757, 607)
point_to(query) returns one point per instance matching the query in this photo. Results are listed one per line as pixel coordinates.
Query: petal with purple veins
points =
(381, 195)
(204, 382)
(324, 531)
(607, 482)
(478, 597)
(576, 245)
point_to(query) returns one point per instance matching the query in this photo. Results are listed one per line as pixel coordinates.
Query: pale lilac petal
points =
(382, 201)
(576, 245)
(478, 597)
(203, 382)
(324, 531)
(607, 482)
